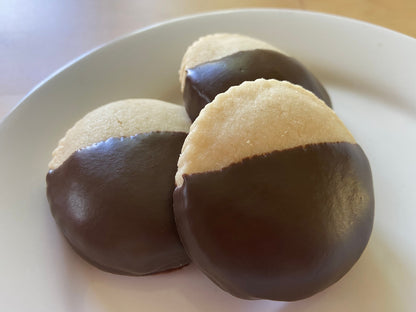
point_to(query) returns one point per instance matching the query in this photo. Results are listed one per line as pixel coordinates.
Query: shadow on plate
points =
(378, 282)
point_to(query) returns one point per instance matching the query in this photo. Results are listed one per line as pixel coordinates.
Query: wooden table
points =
(37, 37)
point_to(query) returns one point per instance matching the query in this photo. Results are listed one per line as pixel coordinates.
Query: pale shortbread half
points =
(216, 46)
(120, 119)
(255, 118)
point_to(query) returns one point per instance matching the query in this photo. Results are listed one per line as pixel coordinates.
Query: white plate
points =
(370, 73)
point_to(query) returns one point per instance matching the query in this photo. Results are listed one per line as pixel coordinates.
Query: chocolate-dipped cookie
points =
(110, 186)
(274, 198)
(216, 62)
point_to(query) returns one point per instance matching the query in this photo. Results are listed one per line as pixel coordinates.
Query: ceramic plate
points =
(370, 73)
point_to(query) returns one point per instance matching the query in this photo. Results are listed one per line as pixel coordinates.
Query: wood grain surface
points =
(38, 37)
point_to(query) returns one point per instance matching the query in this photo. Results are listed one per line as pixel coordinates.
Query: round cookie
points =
(216, 62)
(110, 186)
(274, 198)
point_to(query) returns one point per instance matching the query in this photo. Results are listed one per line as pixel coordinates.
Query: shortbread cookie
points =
(274, 197)
(216, 62)
(110, 186)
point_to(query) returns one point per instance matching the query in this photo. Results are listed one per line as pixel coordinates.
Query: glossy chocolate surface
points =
(113, 203)
(282, 226)
(203, 82)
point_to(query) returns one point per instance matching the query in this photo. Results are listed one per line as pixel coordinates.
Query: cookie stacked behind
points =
(274, 197)
(110, 186)
(216, 62)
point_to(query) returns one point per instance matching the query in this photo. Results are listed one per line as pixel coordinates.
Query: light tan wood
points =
(38, 37)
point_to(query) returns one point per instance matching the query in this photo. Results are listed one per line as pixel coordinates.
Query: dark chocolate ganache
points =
(280, 226)
(204, 81)
(113, 203)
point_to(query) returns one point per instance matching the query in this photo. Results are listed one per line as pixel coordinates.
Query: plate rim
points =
(339, 18)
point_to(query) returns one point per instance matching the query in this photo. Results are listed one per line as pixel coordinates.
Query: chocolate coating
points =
(203, 82)
(281, 226)
(113, 203)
